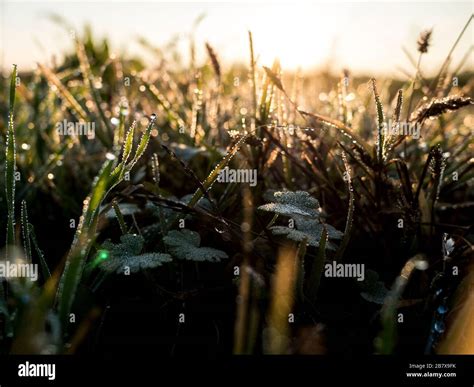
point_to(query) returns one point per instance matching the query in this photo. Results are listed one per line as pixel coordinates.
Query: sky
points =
(366, 37)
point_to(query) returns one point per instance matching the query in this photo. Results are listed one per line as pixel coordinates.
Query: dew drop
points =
(220, 229)
(421, 265)
(439, 326)
(442, 309)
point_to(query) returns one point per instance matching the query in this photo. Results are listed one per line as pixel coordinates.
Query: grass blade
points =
(82, 243)
(211, 178)
(63, 92)
(386, 341)
(253, 78)
(44, 266)
(350, 212)
(25, 231)
(10, 167)
(380, 123)
(118, 214)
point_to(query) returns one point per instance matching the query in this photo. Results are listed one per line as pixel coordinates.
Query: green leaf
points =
(118, 214)
(184, 244)
(303, 209)
(127, 254)
(373, 290)
(131, 244)
(143, 143)
(127, 147)
(289, 203)
(312, 230)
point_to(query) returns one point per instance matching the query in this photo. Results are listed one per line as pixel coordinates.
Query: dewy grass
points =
(105, 181)
(10, 167)
(198, 239)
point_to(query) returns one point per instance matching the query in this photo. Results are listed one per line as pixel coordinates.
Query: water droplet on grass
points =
(439, 326)
(421, 265)
(219, 228)
(442, 309)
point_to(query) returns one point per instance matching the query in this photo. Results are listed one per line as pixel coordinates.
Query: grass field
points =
(201, 207)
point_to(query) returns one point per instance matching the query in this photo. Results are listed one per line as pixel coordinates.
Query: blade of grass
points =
(253, 79)
(89, 80)
(105, 181)
(25, 231)
(343, 129)
(44, 266)
(350, 212)
(10, 166)
(448, 58)
(120, 219)
(386, 341)
(70, 100)
(380, 122)
(212, 177)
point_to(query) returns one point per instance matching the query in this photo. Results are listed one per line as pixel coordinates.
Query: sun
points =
(299, 36)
